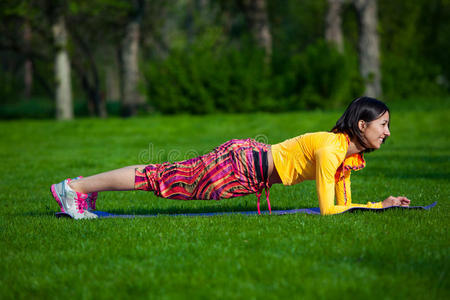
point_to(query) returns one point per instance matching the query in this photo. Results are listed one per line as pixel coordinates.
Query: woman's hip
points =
(233, 169)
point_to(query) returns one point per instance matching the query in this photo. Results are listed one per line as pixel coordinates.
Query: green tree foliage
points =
(198, 56)
(208, 77)
(414, 36)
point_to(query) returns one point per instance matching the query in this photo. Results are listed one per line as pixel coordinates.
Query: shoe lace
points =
(90, 199)
(80, 201)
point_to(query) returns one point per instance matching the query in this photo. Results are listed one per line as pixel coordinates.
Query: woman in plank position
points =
(241, 167)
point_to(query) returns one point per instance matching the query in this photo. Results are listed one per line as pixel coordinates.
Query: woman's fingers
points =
(404, 201)
(396, 201)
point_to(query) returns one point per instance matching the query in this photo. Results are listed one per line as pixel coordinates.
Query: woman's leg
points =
(115, 180)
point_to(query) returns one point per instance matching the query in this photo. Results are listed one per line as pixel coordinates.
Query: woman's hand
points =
(396, 201)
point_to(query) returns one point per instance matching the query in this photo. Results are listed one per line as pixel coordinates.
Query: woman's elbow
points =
(325, 211)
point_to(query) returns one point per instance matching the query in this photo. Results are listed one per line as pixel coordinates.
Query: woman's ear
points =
(362, 125)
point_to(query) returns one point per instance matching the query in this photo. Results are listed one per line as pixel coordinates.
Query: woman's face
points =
(376, 131)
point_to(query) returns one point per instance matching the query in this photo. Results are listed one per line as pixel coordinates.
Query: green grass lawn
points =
(395, 254)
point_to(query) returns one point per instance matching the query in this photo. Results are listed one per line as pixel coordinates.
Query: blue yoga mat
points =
(310, 211)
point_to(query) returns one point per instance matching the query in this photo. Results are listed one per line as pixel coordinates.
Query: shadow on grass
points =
(165, 211)
(171, 211)
(35, 214)
(177, 210)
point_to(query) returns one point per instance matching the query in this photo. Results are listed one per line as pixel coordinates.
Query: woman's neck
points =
(353, 148)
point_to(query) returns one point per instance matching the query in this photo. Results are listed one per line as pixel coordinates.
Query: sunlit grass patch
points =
(396, 254)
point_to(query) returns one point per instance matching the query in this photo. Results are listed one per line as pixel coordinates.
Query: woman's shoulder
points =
(327, 139)
(326, 143)
(314, 141)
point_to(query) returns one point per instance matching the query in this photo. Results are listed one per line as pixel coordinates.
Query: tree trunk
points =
(256, 14)
(64, 107)
(112, 82)
(28, 66)
(89, 77)
(130, 71)
(369, 53)
(333, 29)
(128, 54)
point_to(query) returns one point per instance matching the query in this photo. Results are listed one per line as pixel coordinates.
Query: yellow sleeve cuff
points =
(368, 205)
(375, 204)
(336, 209)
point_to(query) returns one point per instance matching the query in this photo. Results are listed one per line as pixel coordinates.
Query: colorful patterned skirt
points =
(235, 168)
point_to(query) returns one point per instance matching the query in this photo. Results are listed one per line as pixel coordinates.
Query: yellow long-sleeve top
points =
(321, 156)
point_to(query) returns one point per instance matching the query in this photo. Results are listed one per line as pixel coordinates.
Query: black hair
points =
(363, 108)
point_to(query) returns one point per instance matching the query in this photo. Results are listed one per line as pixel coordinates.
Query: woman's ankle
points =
(75, 185)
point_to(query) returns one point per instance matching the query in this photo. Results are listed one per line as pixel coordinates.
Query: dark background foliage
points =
(198, 56)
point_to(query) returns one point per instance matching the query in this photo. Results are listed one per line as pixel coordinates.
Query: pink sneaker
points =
(71, 202)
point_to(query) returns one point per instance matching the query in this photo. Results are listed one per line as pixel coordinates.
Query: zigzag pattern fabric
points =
(233, 169)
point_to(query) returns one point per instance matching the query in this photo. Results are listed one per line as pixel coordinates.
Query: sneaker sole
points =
(64, 215)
